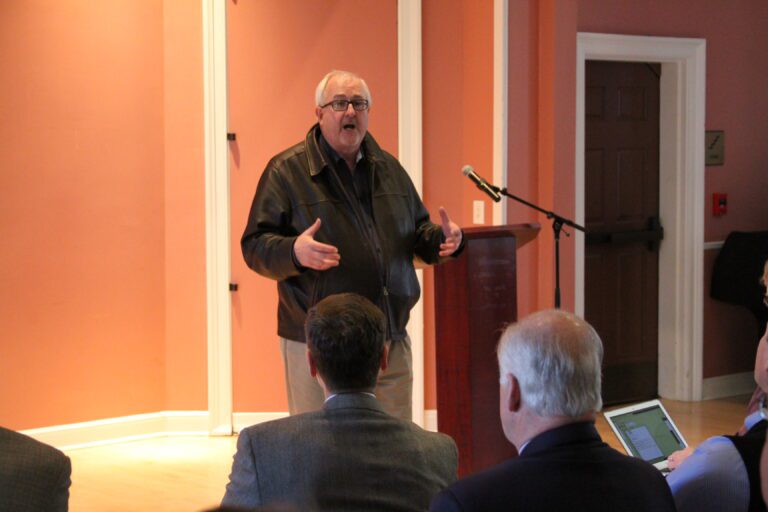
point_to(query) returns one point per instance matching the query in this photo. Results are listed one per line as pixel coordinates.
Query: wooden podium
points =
(475, 297)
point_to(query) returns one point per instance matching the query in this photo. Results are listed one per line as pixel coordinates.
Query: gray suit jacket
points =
(350, 455)
(34, 477)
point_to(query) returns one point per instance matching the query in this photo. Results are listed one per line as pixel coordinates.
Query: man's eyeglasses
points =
(341, 105)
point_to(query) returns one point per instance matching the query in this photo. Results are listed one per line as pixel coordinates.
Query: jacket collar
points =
(572, 433)
(318, 160)
(354, 401)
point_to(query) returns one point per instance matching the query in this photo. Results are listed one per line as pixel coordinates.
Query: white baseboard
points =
(123, 428)
(728, 385)
(430, 420)
(157, 424)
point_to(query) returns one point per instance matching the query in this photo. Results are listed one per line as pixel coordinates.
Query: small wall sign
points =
(715, 147)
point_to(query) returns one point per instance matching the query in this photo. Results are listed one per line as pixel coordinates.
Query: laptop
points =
(646, 431)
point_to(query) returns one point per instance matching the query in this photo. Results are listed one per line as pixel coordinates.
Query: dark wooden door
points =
(622, 209)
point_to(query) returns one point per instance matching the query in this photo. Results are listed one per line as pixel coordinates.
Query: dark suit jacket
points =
(34, 477)
(567, 468)
(350, 455)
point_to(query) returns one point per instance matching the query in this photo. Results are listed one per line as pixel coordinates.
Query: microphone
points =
(483, 185)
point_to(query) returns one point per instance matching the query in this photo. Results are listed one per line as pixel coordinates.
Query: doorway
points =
(681, 195)
(622, 221)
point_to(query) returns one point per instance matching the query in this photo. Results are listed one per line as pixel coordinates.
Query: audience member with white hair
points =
(549, 391)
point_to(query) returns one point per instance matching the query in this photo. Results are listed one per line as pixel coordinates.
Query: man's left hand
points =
(452, 233)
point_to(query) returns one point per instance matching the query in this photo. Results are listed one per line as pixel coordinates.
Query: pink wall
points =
(458, 126)
(185, 301)
(103, 272)
(278, 52)
(523, 142)
(81, 153)
(737, 72)
(556, 150)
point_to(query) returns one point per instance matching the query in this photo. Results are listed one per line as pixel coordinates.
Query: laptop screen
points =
(647, 432)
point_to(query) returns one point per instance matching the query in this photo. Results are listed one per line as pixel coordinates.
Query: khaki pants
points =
(393, 388)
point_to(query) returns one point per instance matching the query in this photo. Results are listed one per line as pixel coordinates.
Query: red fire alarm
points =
(719, 204)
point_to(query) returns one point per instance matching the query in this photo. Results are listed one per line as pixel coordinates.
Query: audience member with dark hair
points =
(549, 395)
(34, 477)
(351, 455)
(723, 472)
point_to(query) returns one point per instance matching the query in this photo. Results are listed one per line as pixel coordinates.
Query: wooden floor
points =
(189, 473)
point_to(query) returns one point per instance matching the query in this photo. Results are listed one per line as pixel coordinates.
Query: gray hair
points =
(556, 358)
(320, 90)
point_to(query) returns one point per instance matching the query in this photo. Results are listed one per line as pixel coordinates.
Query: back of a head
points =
(345, 337)
(556, 358)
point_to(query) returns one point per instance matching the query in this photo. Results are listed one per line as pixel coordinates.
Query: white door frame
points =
(409, 143)
(500, 104)
(217, 227)
(681, 195)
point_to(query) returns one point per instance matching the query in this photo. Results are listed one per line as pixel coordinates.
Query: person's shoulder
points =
(618, 458)
(491, 481)
(377, 153)
(295, 153)
(19, 451)
(438, 438)
(11, 441)
(391, 163)
(287, 426)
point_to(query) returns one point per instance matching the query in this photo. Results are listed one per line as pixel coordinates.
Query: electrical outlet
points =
(478, 212)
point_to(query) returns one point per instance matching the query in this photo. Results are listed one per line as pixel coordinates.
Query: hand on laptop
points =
(677, 458)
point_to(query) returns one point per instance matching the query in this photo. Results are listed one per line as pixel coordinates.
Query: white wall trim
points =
(500, 103)
(141, 426)
(217, 217)
(728, 385)
(136, 427)
(681, 195)
(122, 429)
(409, 141)
(430, 420)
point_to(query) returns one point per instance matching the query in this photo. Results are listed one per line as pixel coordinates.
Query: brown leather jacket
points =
(299, 186)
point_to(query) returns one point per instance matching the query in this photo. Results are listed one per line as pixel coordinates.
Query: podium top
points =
(523, 233)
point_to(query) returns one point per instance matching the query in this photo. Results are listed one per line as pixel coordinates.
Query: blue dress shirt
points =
(713, 477)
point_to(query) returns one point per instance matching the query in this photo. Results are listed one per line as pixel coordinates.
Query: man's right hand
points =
(676, 458)
(312, 254)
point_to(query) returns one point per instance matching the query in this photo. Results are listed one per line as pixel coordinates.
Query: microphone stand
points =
(557, 225)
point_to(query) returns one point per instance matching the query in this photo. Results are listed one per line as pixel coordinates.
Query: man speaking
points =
(335, 213)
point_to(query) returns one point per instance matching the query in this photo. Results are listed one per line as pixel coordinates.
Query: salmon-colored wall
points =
(523, 142)
(82, 185)
(184, 170)
(102, 179)
(458, 126)
(737, 71)
(278, 52)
